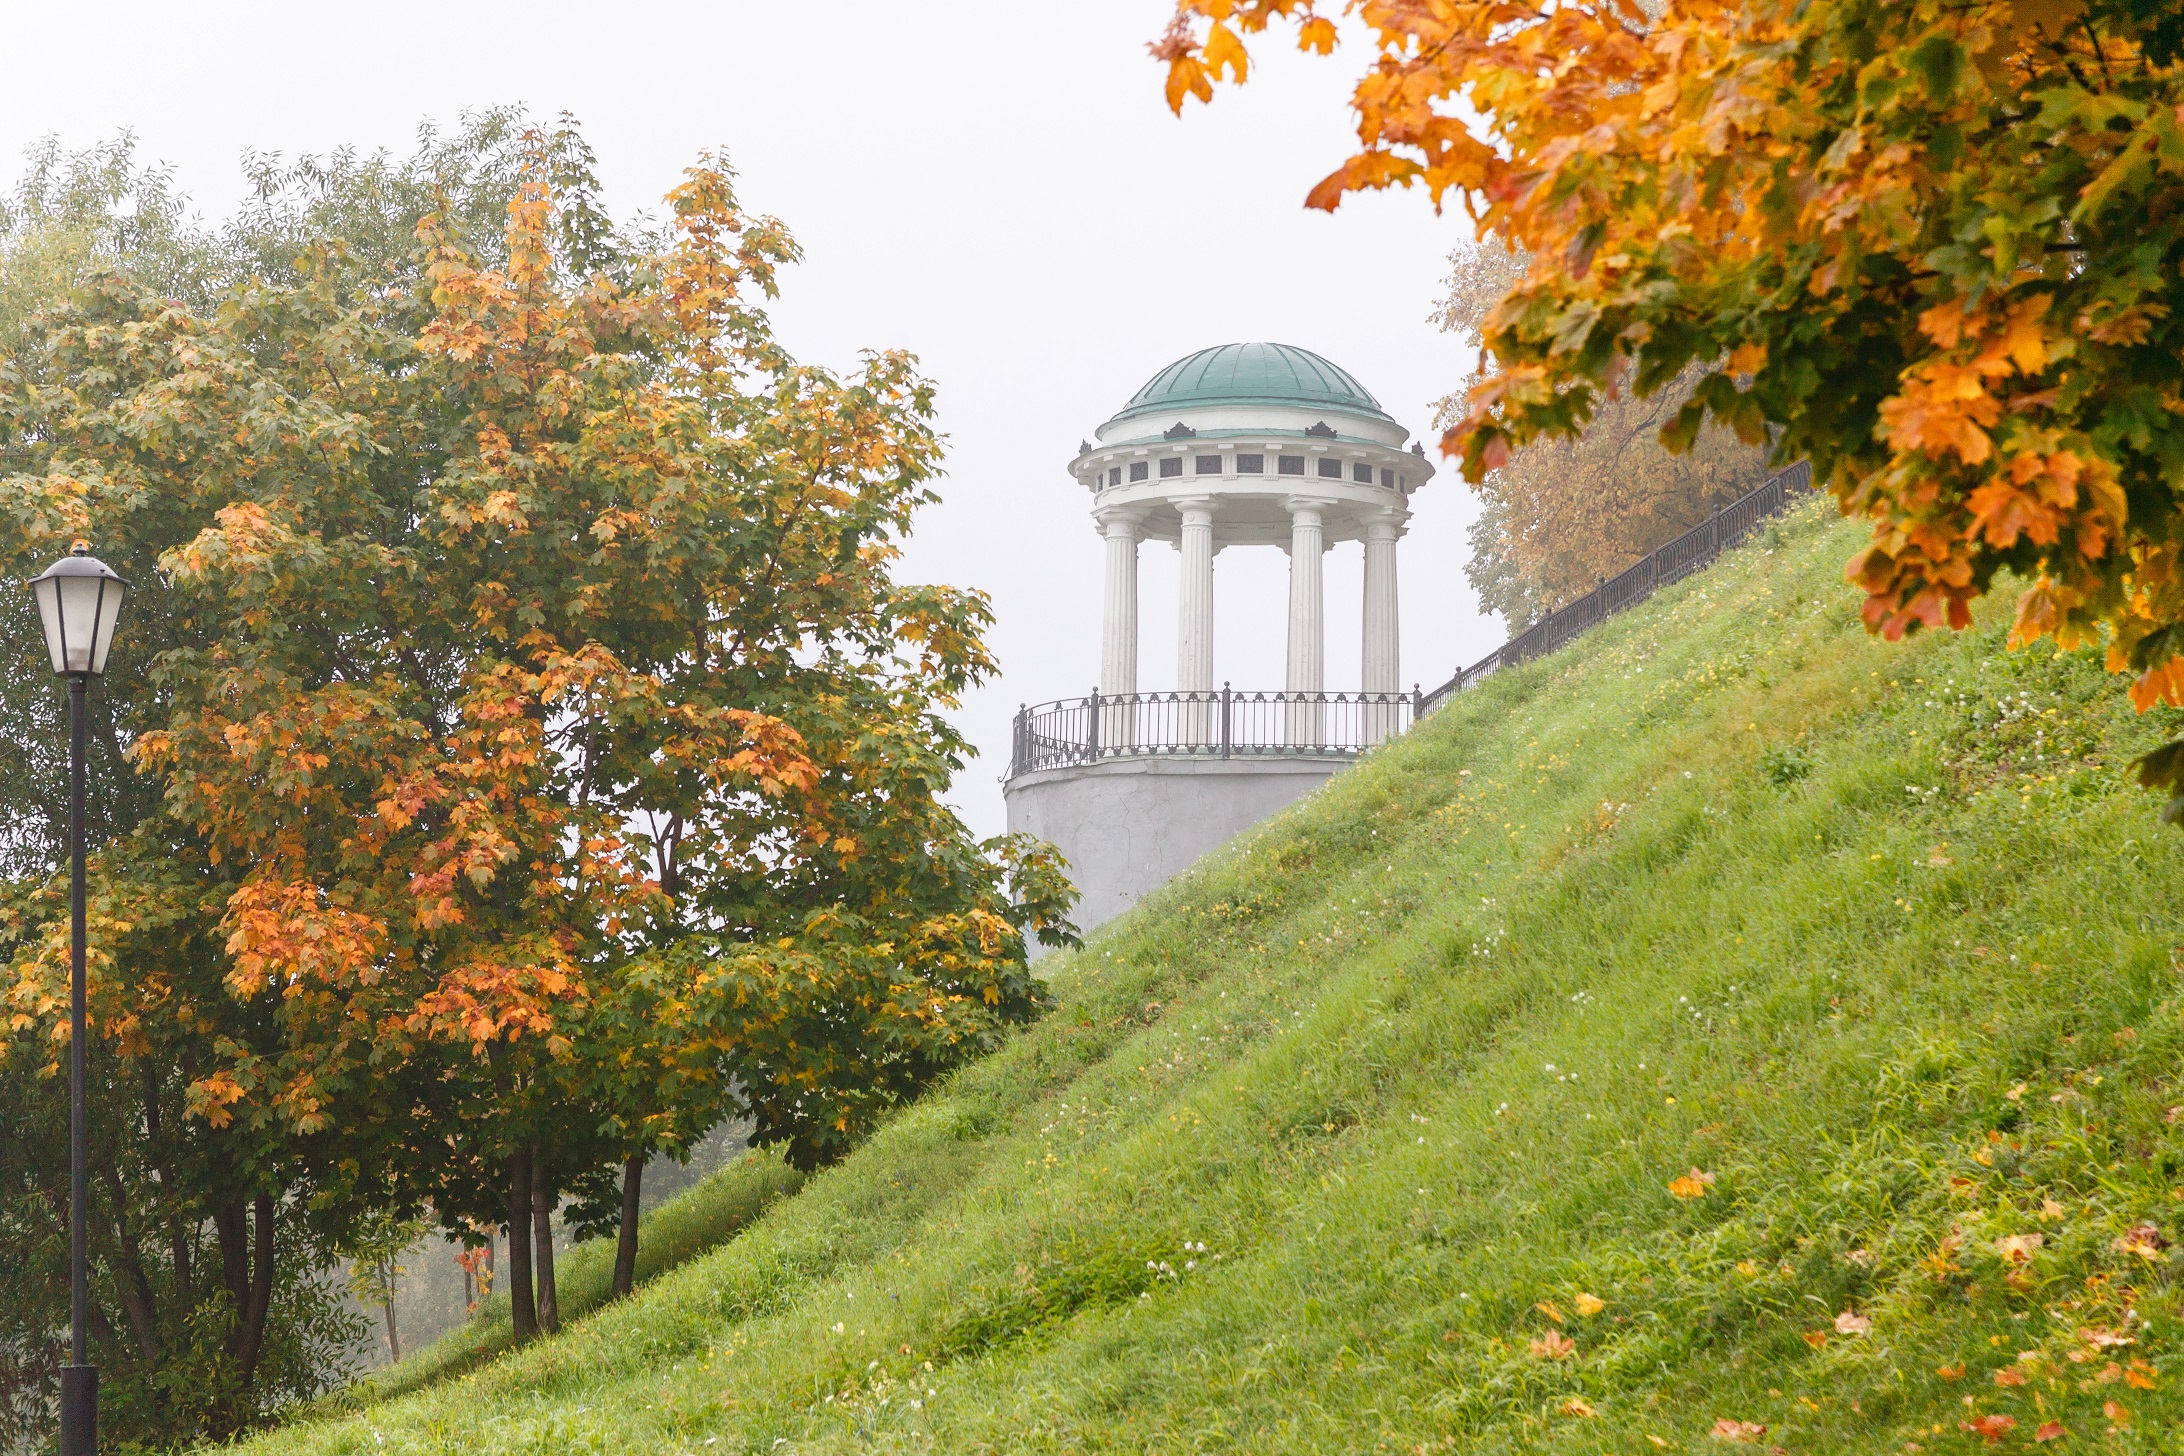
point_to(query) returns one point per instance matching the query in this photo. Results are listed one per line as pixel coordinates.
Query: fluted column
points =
(1307, 617)
(1382, 654)
(1194, 618)
(1118, 636)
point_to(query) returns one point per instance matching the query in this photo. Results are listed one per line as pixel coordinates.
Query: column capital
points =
(1385, 524)
(1119, 521)
(1196, 510)
(1307, 510)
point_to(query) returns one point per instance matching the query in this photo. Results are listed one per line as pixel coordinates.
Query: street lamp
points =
(78, 599)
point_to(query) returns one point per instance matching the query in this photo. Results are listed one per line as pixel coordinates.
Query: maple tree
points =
(548, 764)
(1931, 246)
(1561, 515)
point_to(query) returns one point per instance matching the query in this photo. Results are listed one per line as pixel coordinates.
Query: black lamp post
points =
(78, 599)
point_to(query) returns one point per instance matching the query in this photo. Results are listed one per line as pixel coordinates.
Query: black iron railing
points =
(1675, 561)
(1219, 724)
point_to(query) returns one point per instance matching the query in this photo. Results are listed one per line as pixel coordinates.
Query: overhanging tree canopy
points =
(1934, 243)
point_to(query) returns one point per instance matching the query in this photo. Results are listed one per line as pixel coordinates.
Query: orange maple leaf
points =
(1553, 1345)
(1691, 1185)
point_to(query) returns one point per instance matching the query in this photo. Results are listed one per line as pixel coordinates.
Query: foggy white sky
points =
(997, 187)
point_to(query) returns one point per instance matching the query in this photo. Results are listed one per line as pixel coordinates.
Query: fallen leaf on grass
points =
(2009, 1375)
(2140, 1376)
(1726, 1429)
(1589, 1305)
(2019, 1248)
(1547, 1308)
(2117, 1414)
(1553, 1346)
(1950, 1372)
(2052, 1431)
(1991, 1428)
(2143, 1240)
(1816, 1338)
(1692, 1184)
(1576, 1407)
(1850, 1322)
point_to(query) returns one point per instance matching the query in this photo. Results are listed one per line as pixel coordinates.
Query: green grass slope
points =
(708, 1213)
(1362, 1136)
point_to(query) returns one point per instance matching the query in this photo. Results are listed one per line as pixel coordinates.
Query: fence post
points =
(1092, 726)
(1417, 704)
(1016, 741)
(1227, 697)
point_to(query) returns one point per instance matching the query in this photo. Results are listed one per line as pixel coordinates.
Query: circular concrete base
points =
(1130, 825)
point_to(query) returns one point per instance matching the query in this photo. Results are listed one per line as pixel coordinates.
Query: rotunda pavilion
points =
(1254, 444)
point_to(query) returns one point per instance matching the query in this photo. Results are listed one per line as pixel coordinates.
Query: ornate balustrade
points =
(1226, 724)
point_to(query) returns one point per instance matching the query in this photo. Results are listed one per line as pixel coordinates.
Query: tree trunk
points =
(625, 1248)
(522, 1313)
(394, 1334)
(178, 1233)
(234, 1236)
(261, 1293)
(130, 1281)
(542, 1250)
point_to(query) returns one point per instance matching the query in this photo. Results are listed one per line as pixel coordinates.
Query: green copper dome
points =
(1247, 374)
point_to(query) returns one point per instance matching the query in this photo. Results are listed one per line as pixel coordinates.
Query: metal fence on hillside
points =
(1673, 562)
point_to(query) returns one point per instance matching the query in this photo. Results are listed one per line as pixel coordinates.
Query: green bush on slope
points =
(1870, 944)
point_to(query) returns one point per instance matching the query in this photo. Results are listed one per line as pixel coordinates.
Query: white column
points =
(1307, 616)
(1118, 639)
(1194, 616)
(1382, 654)
(1198, 720)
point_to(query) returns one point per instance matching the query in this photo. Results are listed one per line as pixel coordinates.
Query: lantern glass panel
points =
(109, 612)
(48, 592)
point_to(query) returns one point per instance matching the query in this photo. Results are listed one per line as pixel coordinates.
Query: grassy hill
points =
(1375, 1132)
